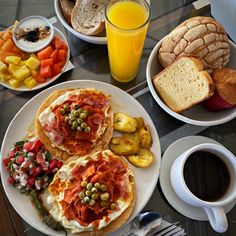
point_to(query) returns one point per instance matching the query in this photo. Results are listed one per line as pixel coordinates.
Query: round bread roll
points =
(61, 151)
(88, 16)
(201, 37)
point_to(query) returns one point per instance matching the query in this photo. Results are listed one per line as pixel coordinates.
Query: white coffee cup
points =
(214, 209)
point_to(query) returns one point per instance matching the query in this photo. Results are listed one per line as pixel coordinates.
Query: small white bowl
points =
(196, 115)
(32, 22)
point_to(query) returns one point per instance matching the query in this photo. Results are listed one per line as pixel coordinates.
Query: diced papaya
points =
(8, 45)
(61, 64)
(46, 71)
(45, 53)
(46, 62)
(13, 59)
(14, 83)
(58, 44)
(30, 82)
(33, 63)
(22, 73)
(4, 54)
(3, 67)
(64, 46)
(62, 55)
(56, 70)
(7, 35)
(1, 42)
(54, 55)
(39, 78)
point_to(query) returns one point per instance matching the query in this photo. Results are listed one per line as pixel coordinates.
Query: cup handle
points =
(217, 218)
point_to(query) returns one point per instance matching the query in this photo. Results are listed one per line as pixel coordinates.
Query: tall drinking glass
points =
(126, 27)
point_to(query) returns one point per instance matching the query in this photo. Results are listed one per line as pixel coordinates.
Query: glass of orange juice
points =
(126, 27)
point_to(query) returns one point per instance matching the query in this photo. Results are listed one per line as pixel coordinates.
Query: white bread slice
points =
(183, 84)
(88, 16)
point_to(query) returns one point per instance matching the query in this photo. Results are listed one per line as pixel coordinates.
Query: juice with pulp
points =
(126, 28)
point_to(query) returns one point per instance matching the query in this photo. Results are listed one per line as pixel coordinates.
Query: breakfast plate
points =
(145, 178)
(196, 115)
(90, 39)
(172, 152)
(23, 88)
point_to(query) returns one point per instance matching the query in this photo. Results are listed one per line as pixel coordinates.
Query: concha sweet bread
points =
(200, 36)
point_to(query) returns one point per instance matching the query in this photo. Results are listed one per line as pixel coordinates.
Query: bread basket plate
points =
(196, 115)
(90, 39)
(23, 88)
(145, 178)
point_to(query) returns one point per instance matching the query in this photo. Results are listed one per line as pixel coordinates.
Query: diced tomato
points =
(45, 53)
(60, 163)
(53, 164)
(10, 180)
(20, 160)
(40, 158)
(14, 175)
(35, 171)
(11, 154)
(6, 161)
(46, 71)
(62, 54)
(56, 70)
(31, 181)
(46, 62)
(33, 146)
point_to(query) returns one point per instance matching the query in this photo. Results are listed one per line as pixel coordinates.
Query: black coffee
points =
(206, 176)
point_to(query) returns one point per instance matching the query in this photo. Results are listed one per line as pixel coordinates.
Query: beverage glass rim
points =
(139, 27)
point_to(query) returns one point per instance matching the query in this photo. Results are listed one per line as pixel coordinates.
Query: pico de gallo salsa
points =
(30, 166)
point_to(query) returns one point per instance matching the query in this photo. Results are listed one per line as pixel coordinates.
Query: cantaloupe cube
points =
(22, 73)
(12, 68)
(13, 59)
(14, 83)
(3, 67)
(34, 56)
(6, 76)
(30, 82)
(33, 63)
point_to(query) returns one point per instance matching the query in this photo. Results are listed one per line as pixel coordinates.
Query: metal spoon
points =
(145, 224)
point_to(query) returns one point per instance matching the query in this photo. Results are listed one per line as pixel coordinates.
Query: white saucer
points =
(172, 152)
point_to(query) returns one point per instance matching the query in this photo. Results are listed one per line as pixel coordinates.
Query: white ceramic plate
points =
(145, 178)
(172, 152)
(23, 88)
(87, 38)
(196, 115)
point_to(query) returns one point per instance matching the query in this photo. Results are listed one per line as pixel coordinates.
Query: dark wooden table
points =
(91, 63)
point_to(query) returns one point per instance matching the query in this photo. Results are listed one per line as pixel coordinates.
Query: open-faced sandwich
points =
(75, 122)
(94, 194)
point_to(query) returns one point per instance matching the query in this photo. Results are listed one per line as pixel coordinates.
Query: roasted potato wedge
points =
(125, 123)
(140, 122)
(143, 159)
(124, 146)
(145, 137)
(135, 136)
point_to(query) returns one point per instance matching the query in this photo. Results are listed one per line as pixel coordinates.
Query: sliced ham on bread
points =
(88, 16)
(183, 84)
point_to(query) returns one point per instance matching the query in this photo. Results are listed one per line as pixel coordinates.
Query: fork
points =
(171, 230)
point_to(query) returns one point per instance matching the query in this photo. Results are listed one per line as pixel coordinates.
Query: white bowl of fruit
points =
(23, 71)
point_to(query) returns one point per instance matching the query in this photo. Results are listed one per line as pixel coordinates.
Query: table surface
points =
(91, 63)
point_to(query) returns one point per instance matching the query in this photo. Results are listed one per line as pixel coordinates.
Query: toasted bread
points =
(183, 84)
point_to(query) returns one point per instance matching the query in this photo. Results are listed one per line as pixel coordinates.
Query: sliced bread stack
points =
(183, 84)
